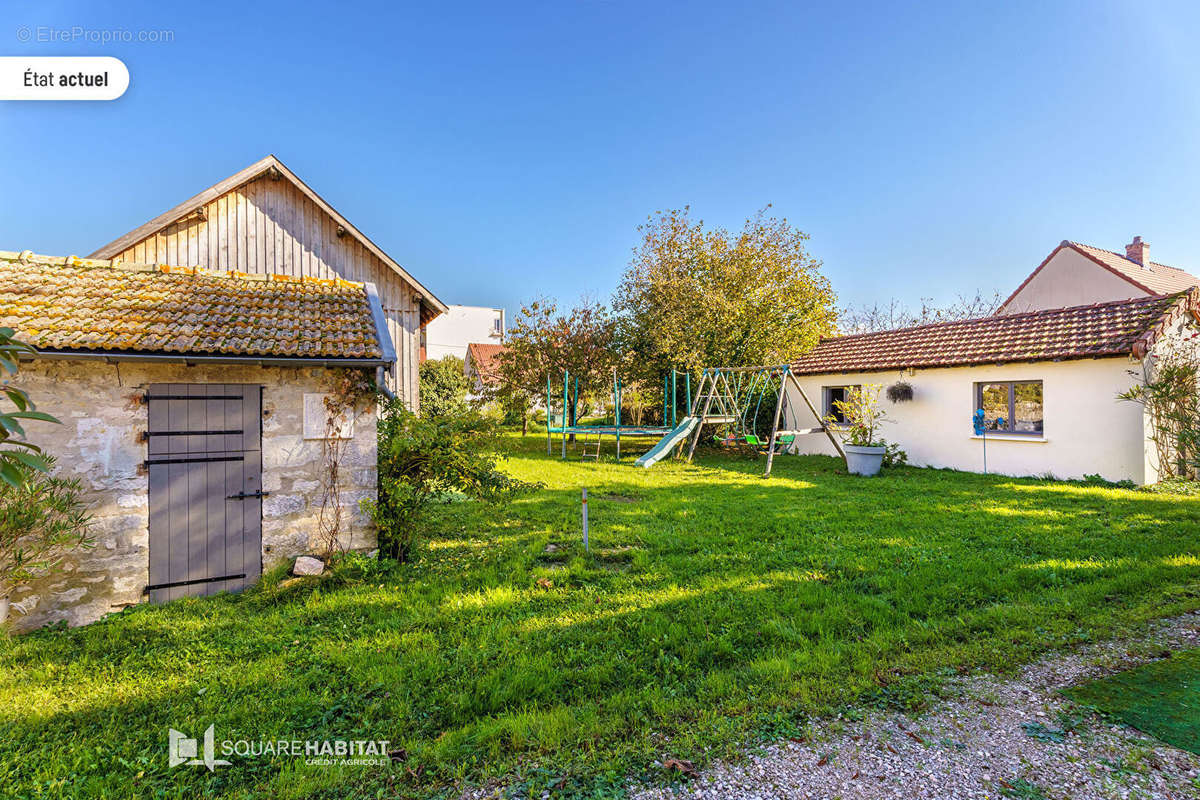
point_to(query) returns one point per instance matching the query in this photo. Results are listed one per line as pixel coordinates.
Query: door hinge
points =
(192, 582)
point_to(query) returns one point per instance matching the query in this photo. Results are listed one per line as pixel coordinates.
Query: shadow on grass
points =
(733, 599)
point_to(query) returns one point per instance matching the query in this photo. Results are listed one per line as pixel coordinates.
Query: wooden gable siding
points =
(270, 226)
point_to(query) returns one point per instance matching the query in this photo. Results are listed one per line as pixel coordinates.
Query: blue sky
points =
(503, 151)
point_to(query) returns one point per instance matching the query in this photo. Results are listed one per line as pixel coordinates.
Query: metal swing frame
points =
(716, 403)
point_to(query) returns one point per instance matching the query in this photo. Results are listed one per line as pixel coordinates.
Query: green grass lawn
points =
(1162, 698)
(716, 608)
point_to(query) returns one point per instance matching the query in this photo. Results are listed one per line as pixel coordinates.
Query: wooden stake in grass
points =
(585, 531)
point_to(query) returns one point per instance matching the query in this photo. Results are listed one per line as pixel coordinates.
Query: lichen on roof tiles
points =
(85, 304)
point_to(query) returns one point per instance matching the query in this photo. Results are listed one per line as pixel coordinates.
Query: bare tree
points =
(896, 314)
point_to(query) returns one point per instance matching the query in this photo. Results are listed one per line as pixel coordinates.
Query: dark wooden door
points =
(204, 460)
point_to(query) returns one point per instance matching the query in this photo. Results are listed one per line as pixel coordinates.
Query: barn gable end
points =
(265, 220)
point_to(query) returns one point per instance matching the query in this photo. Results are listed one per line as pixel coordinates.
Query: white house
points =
(1047, 380)
(1075, 274)
(449, 334)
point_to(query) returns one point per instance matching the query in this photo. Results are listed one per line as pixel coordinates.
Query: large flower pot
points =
(863, 460)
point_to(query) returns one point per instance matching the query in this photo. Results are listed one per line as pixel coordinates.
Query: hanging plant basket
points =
(900, 392)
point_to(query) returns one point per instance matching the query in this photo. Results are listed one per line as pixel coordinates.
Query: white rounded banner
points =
(62, 78)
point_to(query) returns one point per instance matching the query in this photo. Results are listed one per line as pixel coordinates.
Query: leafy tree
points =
(873, 318)
(18, 457)
(443, 387)
(515, 402)
(543, 343)
(422, 459)
(695, 297)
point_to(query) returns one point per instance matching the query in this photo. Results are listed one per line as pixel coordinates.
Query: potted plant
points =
(900, 392)
(859, 425)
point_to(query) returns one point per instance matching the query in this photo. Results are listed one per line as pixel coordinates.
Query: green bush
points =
(893, 455)
(41, 521)
(443, 387)
(19, 458)
(425, 458)
(1170, 392)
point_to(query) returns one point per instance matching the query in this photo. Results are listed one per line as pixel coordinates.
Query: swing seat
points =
(781, 442)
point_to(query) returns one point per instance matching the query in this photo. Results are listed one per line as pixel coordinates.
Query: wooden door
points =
(204, 460)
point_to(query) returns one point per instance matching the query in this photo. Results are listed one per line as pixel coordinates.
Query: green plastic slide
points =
(660, 450)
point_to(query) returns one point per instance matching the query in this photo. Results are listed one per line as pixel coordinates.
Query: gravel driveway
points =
(992, 738)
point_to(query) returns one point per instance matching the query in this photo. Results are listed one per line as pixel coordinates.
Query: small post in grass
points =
(585, 530)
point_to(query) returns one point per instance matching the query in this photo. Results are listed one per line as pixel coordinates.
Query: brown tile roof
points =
(1123, 327)
(73, 304)
(1159, 279)
(486, 358)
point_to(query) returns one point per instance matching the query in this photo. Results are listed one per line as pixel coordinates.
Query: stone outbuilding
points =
(192, 409)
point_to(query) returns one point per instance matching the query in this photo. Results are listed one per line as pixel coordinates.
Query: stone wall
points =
(98, 443)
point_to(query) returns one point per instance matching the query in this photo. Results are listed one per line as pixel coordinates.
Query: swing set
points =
(728, 397)
(732, 397)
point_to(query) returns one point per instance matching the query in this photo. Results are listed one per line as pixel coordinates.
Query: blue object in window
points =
(978, 420)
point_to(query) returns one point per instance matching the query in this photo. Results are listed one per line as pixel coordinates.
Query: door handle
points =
(246, 495)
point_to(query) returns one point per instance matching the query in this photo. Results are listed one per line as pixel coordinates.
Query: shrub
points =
(422, 459)
(1096, 479)
(18, 457)
(41, 521)
(893, 455)
(1170, 392)
(443, 387)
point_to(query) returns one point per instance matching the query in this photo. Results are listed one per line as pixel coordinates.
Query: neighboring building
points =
(1053, 376)
(264, 219)
(449, 334)
(1077, 274)
(191, 404)
(481, 366)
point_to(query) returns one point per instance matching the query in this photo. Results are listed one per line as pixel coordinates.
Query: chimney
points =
(1139, 252)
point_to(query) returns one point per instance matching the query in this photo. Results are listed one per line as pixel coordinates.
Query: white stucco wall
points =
(450, 333)
(1070, 279)
(1087, 430)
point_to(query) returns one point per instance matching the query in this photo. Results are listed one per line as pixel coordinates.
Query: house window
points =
(498, 325)
(1011, 407)
(834, 395)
